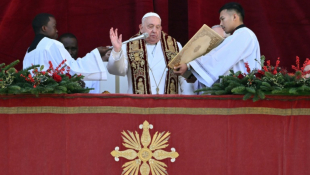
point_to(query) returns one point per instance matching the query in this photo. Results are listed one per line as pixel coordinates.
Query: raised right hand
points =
(116, 40)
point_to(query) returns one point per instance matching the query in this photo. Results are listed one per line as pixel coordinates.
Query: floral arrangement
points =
(51, 81)
(258, 83)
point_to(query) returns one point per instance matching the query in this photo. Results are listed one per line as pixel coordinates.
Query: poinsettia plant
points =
(258, 83)
(34, 80)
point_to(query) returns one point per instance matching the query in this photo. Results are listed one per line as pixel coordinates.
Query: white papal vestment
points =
(118, 65)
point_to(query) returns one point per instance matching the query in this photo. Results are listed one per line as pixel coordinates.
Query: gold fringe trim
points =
(159, 110)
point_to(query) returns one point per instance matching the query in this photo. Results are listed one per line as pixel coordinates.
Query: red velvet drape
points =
(282, 27)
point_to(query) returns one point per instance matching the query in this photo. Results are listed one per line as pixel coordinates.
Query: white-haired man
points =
(145, 61)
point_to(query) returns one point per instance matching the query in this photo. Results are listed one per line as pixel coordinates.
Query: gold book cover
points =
(200, 44)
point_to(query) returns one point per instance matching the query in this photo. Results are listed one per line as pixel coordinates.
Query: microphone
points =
(142, 36)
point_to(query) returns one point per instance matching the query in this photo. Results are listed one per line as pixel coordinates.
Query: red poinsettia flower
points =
(68, 75)
(56, 77)
(259, 74)
(240, 76)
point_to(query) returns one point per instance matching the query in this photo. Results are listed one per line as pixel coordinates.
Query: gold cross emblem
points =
(145, 154)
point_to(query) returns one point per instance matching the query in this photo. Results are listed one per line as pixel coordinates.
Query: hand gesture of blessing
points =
(116, 40)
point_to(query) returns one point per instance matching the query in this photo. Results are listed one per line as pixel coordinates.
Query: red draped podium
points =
(223, 135)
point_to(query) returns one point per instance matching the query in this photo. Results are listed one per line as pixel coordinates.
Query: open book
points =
(200, 44)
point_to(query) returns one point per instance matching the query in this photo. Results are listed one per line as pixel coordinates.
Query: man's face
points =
(106, 56)
(71, 45)
(152, 26)
(220, 31)
(50, 29)
(227, 21)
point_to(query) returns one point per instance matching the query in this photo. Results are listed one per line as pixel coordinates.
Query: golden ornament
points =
(145, 154)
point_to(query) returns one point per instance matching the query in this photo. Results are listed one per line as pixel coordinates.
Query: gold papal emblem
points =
(145, 154)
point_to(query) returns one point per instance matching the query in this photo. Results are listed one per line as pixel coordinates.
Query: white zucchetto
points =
(151, 14)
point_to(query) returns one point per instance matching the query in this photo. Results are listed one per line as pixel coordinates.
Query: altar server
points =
(232, 54)
(45, 48)
(71, 45)
(145, 61)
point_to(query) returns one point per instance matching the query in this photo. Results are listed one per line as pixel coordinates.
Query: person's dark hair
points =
(234, 6)
(66, 35)
(40, 20)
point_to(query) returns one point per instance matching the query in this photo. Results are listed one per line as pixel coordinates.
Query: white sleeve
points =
(118, 62)
(184, 87)
(209, 67)
(91, 66)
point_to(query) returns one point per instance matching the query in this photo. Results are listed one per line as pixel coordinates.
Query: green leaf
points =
(269, 75)
(257, 81)
(58, 91)
(251, 90)
(233, 83)
(304, 88)
(255, 98)
(280, 90)
(217, 85)
(14, 91)
(262, 60)
(261, 94)
(216, 88)
(3, 90)
(238, 90)
(228, 89)
(266, 84)
(220, 92)
(264, 88)
(14, 87)
(203, 89)
(293, 91)
(62, 88)
(233, 78)
(48, 89)
(247, 96)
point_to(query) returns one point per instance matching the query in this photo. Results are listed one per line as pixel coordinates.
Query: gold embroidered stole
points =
(137, 57)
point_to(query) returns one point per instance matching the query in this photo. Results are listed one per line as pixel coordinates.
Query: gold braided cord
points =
(155, 110)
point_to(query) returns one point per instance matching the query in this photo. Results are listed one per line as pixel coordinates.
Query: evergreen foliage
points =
(271, 80)
(52, 81)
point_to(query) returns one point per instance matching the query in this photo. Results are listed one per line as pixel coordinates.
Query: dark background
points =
(282, 27)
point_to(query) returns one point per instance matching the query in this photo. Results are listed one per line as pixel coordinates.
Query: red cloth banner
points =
(75, 134)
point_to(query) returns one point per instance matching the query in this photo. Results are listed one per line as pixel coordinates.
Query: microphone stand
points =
(143, 36)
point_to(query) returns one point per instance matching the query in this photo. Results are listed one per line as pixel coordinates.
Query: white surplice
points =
(93, 84)
(91, 66)
(118, 65)
(237, 49)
